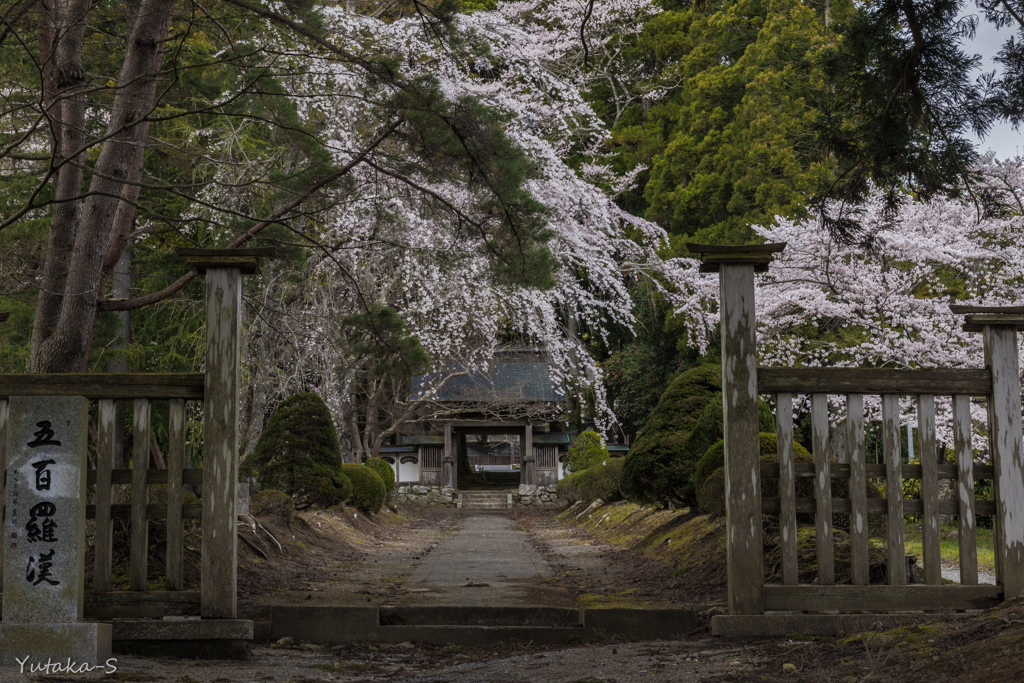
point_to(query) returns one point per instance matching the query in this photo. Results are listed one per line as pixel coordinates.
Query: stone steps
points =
(484, 500)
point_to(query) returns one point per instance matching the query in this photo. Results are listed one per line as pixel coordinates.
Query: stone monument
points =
(44, 536)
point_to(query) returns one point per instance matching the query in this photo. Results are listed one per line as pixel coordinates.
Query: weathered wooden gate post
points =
(999, 327)
(529, 471)
(449, 468)
(744, 549)
(224, 269)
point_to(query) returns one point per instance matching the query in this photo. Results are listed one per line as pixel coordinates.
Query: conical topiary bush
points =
(298, 453)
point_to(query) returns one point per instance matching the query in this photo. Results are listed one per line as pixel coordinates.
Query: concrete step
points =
(477, 626)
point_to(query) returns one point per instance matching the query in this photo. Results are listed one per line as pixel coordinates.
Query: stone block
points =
(323, 624)
(183, 629)
(778, 625)
(44, 529)
(79, 644)
(641, 624)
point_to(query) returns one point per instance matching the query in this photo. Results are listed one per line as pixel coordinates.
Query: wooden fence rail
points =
(218, 390)
(743, 382)
(139, 478)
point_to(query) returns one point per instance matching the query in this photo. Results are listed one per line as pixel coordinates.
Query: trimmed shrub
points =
(272, 503)
(600, 481)
(715, 457)
(686, 422)
(586, 451)
(368, 489)
(711, 494)
(382, 468)
(298, 453)
(660, 444)
(709, 476)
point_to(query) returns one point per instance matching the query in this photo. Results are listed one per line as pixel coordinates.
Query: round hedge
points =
(586, 451)
(600, 481)
(709, 476)
(368, 489)
(298, 453)
(382, 468)
(651, 470)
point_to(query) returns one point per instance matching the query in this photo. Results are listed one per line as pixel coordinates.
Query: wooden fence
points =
(218, 390)
(998, 384)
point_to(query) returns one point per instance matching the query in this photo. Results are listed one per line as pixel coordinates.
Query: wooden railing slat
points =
(138, 570)
(188, 476)
(804, 470)
(875, 506)
(944, 382)
(880, 598)
(822, 490)
(966, 510)
(893, 487)
(105, 455)
(930, 535)
(175, 493)
(152, 386)
(153, 511)
(787, 488)
(4, 411)
(858, 489)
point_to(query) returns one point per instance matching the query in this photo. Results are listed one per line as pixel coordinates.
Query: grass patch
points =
(950, 547)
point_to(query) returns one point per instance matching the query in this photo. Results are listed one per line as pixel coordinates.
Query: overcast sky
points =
(1002, 139)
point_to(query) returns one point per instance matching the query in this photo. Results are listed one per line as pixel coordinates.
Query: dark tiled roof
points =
(551, 438)
(508, 381)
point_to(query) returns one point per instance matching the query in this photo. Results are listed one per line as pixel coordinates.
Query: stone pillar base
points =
(71, 645)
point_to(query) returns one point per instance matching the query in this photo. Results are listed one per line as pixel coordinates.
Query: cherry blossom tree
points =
(827, 303)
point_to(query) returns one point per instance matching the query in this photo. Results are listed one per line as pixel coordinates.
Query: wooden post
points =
(929, 490)
(175, 495)
(139, 570)
(1005, 442)
(744, 549)
(824, 545)
(999, 328)
(220, 443)
(787, 488)
(449, 471)
(896, 547)
(967, 525)
(105, 455)
(529, 460)
(859, 558)
(4, 407)
(224, 269)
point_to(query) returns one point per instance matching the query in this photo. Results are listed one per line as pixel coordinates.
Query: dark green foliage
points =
(465, 138)
(272, 503)
(384, 471)
(368, 489)
(636, 377)
(380, 334)
(600, 481)
(903, 100)
(586, 451)
(711, 494)
(715, 457)
(299, 453)
(661, 444)
(709, 476)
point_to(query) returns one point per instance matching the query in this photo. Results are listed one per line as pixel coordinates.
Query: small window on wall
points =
(409, 460)
(390, 461)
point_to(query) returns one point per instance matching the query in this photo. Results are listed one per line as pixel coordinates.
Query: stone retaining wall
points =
(540, 496)
(423, 495)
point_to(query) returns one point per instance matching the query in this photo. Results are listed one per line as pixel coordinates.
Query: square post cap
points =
(977, 318)
(714, 255)
(246, 260)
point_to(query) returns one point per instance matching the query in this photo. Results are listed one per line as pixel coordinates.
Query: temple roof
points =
(516, 376)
